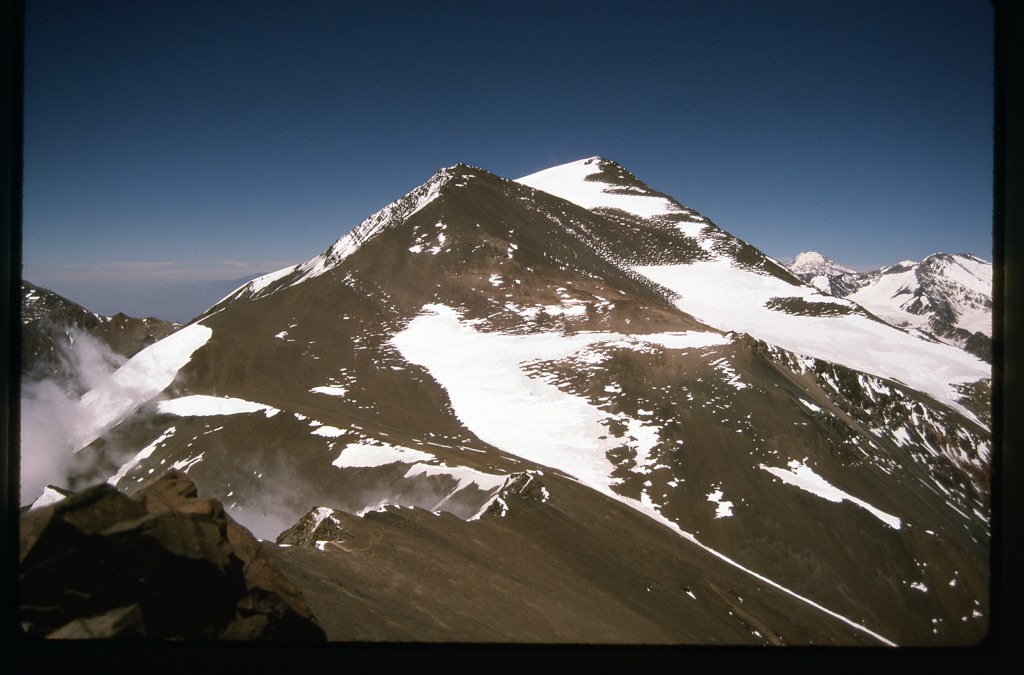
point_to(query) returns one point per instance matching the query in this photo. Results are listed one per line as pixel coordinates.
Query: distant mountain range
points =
(944, 297)
(567, 409)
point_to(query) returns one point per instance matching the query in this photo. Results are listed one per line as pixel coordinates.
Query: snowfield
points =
(569, 181)
(727, 297)
(497, 400)
(493, 396)
(140, 379)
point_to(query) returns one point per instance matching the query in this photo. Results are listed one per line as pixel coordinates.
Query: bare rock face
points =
(162, 564)
(319, 525)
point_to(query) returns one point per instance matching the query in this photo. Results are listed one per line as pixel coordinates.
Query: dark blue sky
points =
(170, 146)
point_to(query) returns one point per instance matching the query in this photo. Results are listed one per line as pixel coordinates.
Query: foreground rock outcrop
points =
(164, 563)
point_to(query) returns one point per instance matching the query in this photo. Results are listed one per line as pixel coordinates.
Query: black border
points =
(36, 656)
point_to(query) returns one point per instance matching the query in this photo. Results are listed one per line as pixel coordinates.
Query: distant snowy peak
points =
(596, 182)
(968, 271)
(947, 296)
(815, 264)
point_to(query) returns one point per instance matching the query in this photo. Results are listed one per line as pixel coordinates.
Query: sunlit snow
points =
(724, 509)
(368, 454)
(464, 475)
(141, 378)
(803, 477)
(730, 298)
(494, 397)
(327, 431)
(330, 390)
(186, 464)
(202, 406)
(642, 438)
(690, 339)
(49, 496)
(568, 181)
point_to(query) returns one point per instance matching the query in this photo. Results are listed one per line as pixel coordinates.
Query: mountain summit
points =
(569, 408)
(815, 264)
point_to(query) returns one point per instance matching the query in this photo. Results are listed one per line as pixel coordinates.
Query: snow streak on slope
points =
(726, 297)
(390, 215)
(142, 454)
(569, 181)
(144, 376)
(492, 395)
(803, 477)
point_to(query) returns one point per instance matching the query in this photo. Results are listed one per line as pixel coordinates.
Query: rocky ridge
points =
(164, 564)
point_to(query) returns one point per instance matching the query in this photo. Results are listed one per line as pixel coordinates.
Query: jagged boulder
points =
(524, 491)
(162, 564)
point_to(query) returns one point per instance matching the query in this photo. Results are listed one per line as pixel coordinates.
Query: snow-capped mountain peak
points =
(596, 182)
(814, 263)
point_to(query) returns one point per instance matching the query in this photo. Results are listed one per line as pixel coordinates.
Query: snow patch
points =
(803, 477)
(463, 475)
(49, 496)
(366, 454)
(724, 509)
(494, 397)
(200, 405)
(186, 464)
(328, 431)
(330, 390)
